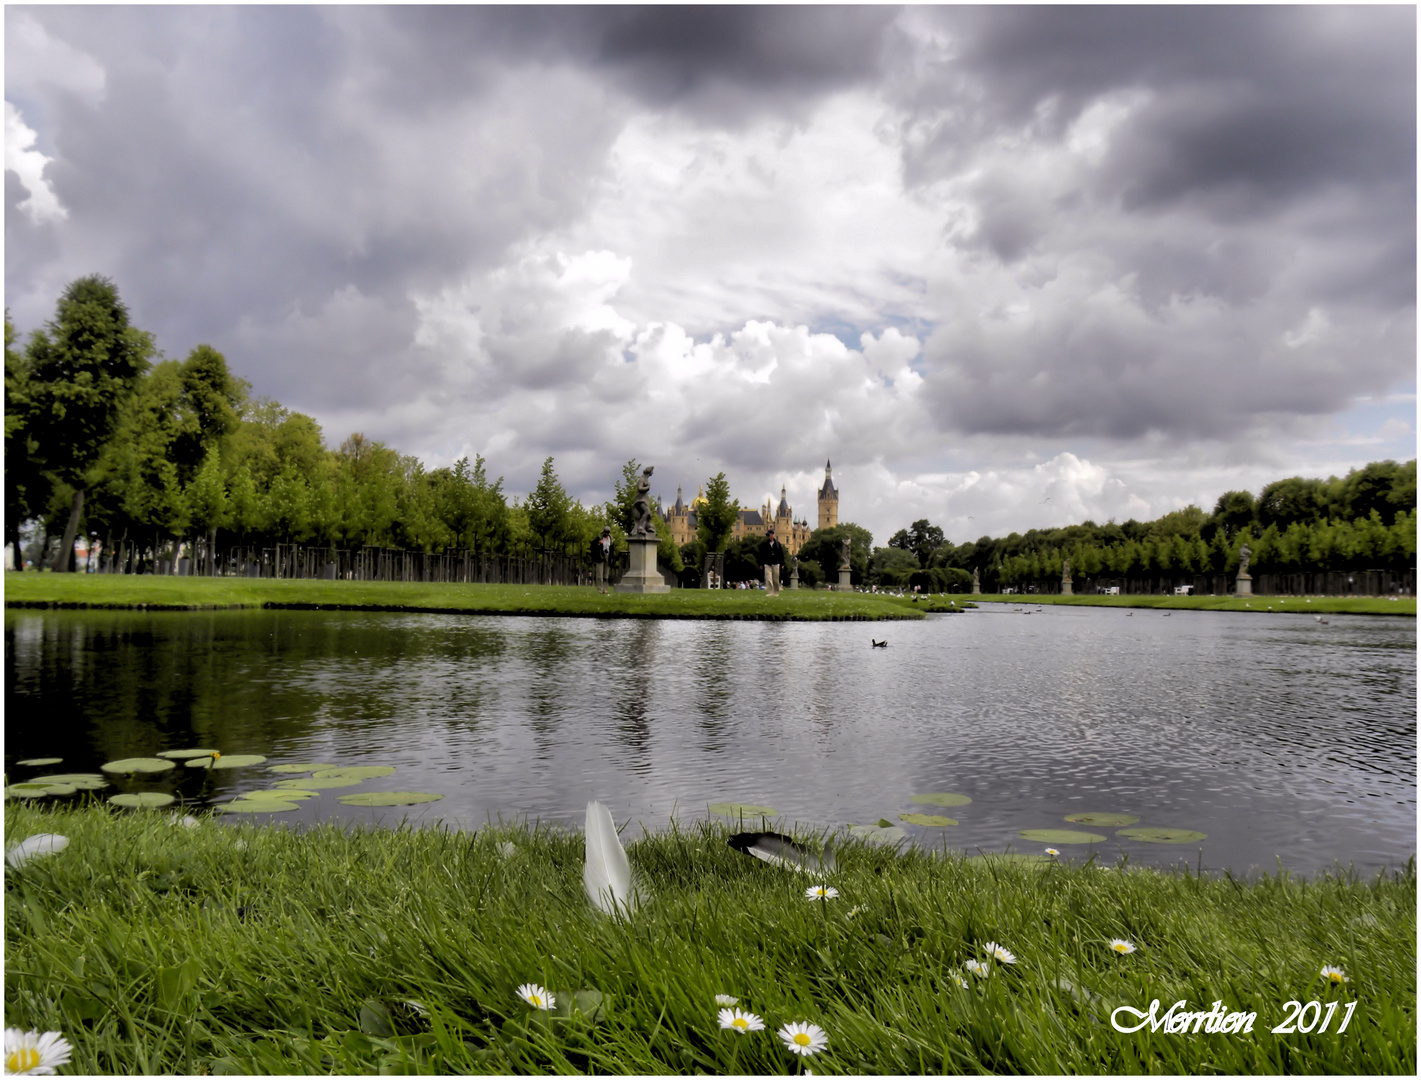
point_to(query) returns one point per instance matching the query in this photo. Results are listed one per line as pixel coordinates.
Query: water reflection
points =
(1273, 734)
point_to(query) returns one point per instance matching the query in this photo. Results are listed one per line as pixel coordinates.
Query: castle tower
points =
(828, 500)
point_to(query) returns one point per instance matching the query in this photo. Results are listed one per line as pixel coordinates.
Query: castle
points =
(791, 533)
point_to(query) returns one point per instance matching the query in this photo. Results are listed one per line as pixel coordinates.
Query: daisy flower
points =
(857, 909)
(726, 999)
(978, 969)
(536, 996)
(33, 847)
(1052, 852)
(743, 1022)
(1334, 974)
(33, 1054)
(959, 980)
(803, 1038)
(820, 892)
(1002, 953)
(1121, 946)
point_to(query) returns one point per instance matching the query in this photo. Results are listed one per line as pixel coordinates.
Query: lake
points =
(1277, 736)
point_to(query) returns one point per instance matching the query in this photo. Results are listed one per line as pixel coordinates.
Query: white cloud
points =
(28, 164)
(34, 57)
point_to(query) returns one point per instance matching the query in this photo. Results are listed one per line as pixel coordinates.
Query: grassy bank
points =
(156, 948)
(146, 590)
(1314, 605)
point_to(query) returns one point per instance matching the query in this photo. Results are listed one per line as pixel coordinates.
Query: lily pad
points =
(312, 783)
(303, 766)
(355, 772)
(1060, 836)
(1162, 836)
(738, 809)
(183, 755)
(284, 795)
(255, 806)
(39, 791)
(389, 798)
(142, 799)
(36, 762)
(942, 798)
(237, 761)
(84, 781)
(1102, 818)
(129, 766)
(927, 819)
(877, 834)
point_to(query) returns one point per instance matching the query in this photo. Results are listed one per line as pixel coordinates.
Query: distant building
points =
(791, 533)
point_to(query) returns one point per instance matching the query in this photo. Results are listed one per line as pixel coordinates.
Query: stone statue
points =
(845, 564)
(976, 578)
(641, 509)
(1066, 568)
(1244, 554)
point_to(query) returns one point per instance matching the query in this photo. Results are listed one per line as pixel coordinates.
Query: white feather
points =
(607, 874)
(35, 846)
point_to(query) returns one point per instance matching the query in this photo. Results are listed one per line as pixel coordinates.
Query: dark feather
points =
(779, 850)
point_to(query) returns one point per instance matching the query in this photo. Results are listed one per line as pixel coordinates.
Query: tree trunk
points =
(64, 557)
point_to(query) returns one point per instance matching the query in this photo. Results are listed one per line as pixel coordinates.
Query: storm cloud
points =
(1007, 266)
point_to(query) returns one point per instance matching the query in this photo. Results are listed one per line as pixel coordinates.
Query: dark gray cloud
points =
(462, 229)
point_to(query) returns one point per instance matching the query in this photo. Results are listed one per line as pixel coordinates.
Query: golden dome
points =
(700, 499)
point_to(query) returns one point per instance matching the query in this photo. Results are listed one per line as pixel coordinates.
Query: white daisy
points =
(979, 969)
(1334, 974)
(743, 1022)
(536, 996)
(959, 980)
(820, 892)
(1121, 946)
(1002, 953)
(726, 999)
(1052, 852)
(29, 1053)
(803, 1038)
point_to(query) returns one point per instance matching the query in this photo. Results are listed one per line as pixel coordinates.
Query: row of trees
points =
(1363, 521)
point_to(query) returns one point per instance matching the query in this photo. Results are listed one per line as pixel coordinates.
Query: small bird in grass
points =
(879, 644)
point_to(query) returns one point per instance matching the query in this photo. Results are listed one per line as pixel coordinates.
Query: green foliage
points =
(825, 546)
(547, 509)
(716, 518)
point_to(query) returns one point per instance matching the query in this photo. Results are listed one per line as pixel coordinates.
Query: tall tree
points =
(83, 366)
(27, 487)
(547, 508)
(716, 517)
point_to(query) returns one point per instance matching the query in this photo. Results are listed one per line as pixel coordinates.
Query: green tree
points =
(716, 518)
(922, 538)
(892, 566)
(82, 367)
(547, 508)
(825, 546)
(207, 408)
(27, 486)
(207, 503)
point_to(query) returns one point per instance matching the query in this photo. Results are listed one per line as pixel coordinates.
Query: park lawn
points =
(256, 949)
(152, 591)
(1314, 605)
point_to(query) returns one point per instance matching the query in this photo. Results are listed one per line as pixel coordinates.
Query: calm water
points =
(1276, 735)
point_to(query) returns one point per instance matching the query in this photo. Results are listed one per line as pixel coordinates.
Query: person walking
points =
(773, 557)
(601, 557)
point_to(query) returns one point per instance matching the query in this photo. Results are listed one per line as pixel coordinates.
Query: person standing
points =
(601, 557)
(773, 557)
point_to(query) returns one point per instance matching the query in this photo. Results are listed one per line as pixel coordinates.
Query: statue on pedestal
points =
(844, 563)
(1244, 554)
(641, 509)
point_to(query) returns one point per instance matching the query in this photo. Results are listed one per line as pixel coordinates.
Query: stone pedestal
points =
(642, 576)
(1066, 585)
(1243, 585)
(794, 577)
(845, 585)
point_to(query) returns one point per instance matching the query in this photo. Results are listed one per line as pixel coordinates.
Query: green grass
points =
(1315, 605)
(146, 590)
(252, 949)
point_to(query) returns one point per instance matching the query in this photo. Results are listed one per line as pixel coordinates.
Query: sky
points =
(1006, 267)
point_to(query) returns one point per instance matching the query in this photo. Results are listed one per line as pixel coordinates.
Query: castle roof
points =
(783, 510)
(828, 491)
(751, 517)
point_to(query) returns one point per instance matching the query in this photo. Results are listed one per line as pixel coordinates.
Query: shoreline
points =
(211, 940)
